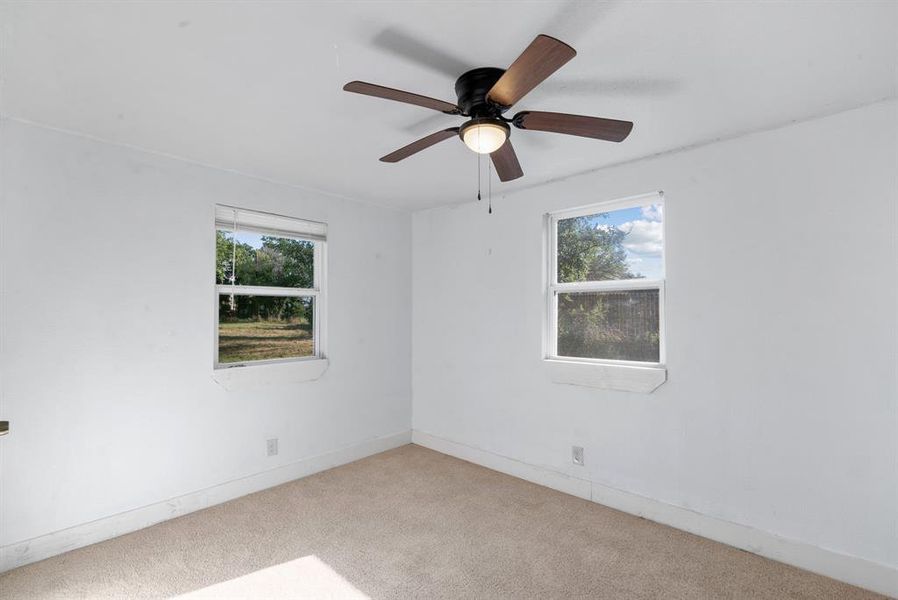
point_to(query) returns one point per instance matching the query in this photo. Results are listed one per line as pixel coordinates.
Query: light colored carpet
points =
(413, 523)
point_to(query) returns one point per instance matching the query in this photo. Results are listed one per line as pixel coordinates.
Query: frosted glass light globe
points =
(484, 138)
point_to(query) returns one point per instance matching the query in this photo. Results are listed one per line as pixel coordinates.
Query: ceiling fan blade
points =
(541, 58)
(506, 162)
(592, 127)
(417, 146)
(379, 91)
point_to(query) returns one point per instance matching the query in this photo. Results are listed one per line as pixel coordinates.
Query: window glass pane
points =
(264, 259)
(609, 325)
(615, 245)
(264, 328)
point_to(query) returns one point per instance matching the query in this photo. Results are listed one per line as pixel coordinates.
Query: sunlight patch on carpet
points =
(306, 577)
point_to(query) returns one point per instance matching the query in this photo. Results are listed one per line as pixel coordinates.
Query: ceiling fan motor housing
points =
(472, 88)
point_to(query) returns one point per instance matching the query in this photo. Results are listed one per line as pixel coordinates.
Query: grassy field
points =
(263, 340)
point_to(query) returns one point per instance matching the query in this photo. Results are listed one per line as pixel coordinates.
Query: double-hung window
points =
(605, 292)
(270, 288)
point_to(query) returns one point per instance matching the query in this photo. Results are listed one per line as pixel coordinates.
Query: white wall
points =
(106, 326)
(781, 408)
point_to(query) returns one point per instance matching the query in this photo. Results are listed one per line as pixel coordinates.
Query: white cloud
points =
(643, 237)
(653, 212)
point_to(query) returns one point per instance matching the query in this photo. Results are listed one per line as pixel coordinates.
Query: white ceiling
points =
(256, 87)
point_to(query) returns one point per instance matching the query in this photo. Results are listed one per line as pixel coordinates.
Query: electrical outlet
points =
(577, 455)
(272, 447)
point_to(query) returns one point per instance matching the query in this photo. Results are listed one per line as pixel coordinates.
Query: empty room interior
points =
(384, 300)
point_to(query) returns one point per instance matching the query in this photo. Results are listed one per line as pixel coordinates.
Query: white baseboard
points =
(51, 544)
(850, 569)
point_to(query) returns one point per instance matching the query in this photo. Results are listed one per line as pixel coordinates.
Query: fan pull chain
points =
(489, 188)
(478, 176)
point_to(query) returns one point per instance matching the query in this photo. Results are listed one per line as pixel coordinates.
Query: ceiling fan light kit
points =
(486, 93)
(484, 135)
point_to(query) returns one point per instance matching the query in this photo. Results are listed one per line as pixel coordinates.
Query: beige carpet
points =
(412, 523)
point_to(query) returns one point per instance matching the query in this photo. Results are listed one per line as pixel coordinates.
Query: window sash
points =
(317, 353)
(552, 321)
(247, 290)
(585, 211)
(616, 285)
(319, 244)
(226, 289)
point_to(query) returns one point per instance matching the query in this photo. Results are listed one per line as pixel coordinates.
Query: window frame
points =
(553, 287)
(318, 291)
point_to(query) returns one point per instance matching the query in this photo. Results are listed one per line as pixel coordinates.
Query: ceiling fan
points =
(485, 93)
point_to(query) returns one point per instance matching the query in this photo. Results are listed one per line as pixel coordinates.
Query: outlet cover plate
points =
(577, 455)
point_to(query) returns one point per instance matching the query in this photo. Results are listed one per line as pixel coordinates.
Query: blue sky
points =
(248, 237)
(644, 237)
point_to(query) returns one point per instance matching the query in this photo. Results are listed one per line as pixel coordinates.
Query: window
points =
(606, 282)
(269, 283)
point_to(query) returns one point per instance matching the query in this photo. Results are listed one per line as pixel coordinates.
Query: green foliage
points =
(612, 325)
(590, 252)
(285, 262)
(266, 308)
(279, 262)
(622, 326)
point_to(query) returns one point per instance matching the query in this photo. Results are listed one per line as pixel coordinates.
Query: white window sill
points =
(627, 378)
(251, 376)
